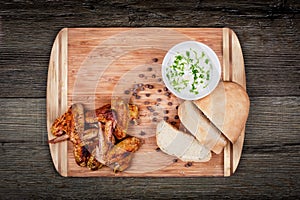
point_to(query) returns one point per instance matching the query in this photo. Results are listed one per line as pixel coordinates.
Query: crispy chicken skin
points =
(102, 114)
(62, 124)
(71, 126)
(120, 155)
(103, 126)
(133, 112)
(105, 113)
(81, 155)
(70, 123)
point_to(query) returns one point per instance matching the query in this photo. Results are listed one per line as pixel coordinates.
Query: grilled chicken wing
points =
(71, 126)
(100, 139)
(120, 155)
(102, 114)
(62, 124)
(84, 158)
(81, 155)
(119, 114)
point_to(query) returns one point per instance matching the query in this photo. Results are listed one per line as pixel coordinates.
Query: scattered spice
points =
(159, 79)
(158, 99)
(146, 102)
(150, 108)
(148, 95)
(155, 114)
(173, 123)
(166, 118)
(177, 107)
(149, 69)
(141, 75)
(151, 87)
(153, 76)
(175, 160)
(159, 90)
(166, 111)
(188, 164)
(137, 96)
(168, 94)
(154, 59)
(165, 89)
(126, 92)
(176, 117)
(142, 133)
(170, 103)
(157, 149)
(154, 119)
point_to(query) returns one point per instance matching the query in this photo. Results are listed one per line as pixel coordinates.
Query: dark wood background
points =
(269, 35)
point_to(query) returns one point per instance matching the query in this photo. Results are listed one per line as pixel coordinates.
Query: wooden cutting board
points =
(90, 65)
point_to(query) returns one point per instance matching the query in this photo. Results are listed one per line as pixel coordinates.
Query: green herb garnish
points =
(189, 71)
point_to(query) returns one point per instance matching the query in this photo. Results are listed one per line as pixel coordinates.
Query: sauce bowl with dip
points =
(191, 70)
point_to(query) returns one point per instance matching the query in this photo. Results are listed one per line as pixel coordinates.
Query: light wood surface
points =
(57, 97)
(233, 70)
(102, 63)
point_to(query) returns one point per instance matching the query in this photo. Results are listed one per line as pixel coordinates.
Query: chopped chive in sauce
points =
(189, 72)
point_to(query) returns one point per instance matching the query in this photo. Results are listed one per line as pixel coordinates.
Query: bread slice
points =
(199, 126)
(227, 107)
(180, 144)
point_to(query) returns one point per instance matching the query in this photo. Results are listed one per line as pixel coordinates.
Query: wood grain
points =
(234, 71)
(269, 35)
(265, 145)
(103, 63)
(57, 97)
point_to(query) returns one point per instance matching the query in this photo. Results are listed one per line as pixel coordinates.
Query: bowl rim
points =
(216, 65)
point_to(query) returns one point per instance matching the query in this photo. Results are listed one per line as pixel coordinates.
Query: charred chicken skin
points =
(71, 126)
(98, 143)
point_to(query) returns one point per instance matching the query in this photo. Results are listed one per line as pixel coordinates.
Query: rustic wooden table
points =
(269, 36)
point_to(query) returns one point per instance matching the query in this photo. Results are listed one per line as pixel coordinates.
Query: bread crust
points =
(200, 127)
(227, 107)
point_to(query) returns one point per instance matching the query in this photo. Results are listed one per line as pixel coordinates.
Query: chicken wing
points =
(120, 155)
(96, 146)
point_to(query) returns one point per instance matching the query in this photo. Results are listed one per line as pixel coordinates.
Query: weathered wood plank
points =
(269, 35)
(23, 120)
(26, 171)
(273, 122)
(267, 32)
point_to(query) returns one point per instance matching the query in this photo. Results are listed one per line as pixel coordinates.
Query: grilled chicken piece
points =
(119, 133)
(93, 163)
(100, 139)
(84, 158)
(125, 112)
(105, 141)
(133, 113)
(120, 155)
(71, 126)
(119, 114)
(81, 155)
(62, 124)
(101, 114)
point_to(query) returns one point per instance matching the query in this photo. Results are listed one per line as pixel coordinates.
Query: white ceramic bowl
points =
(199, 76)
